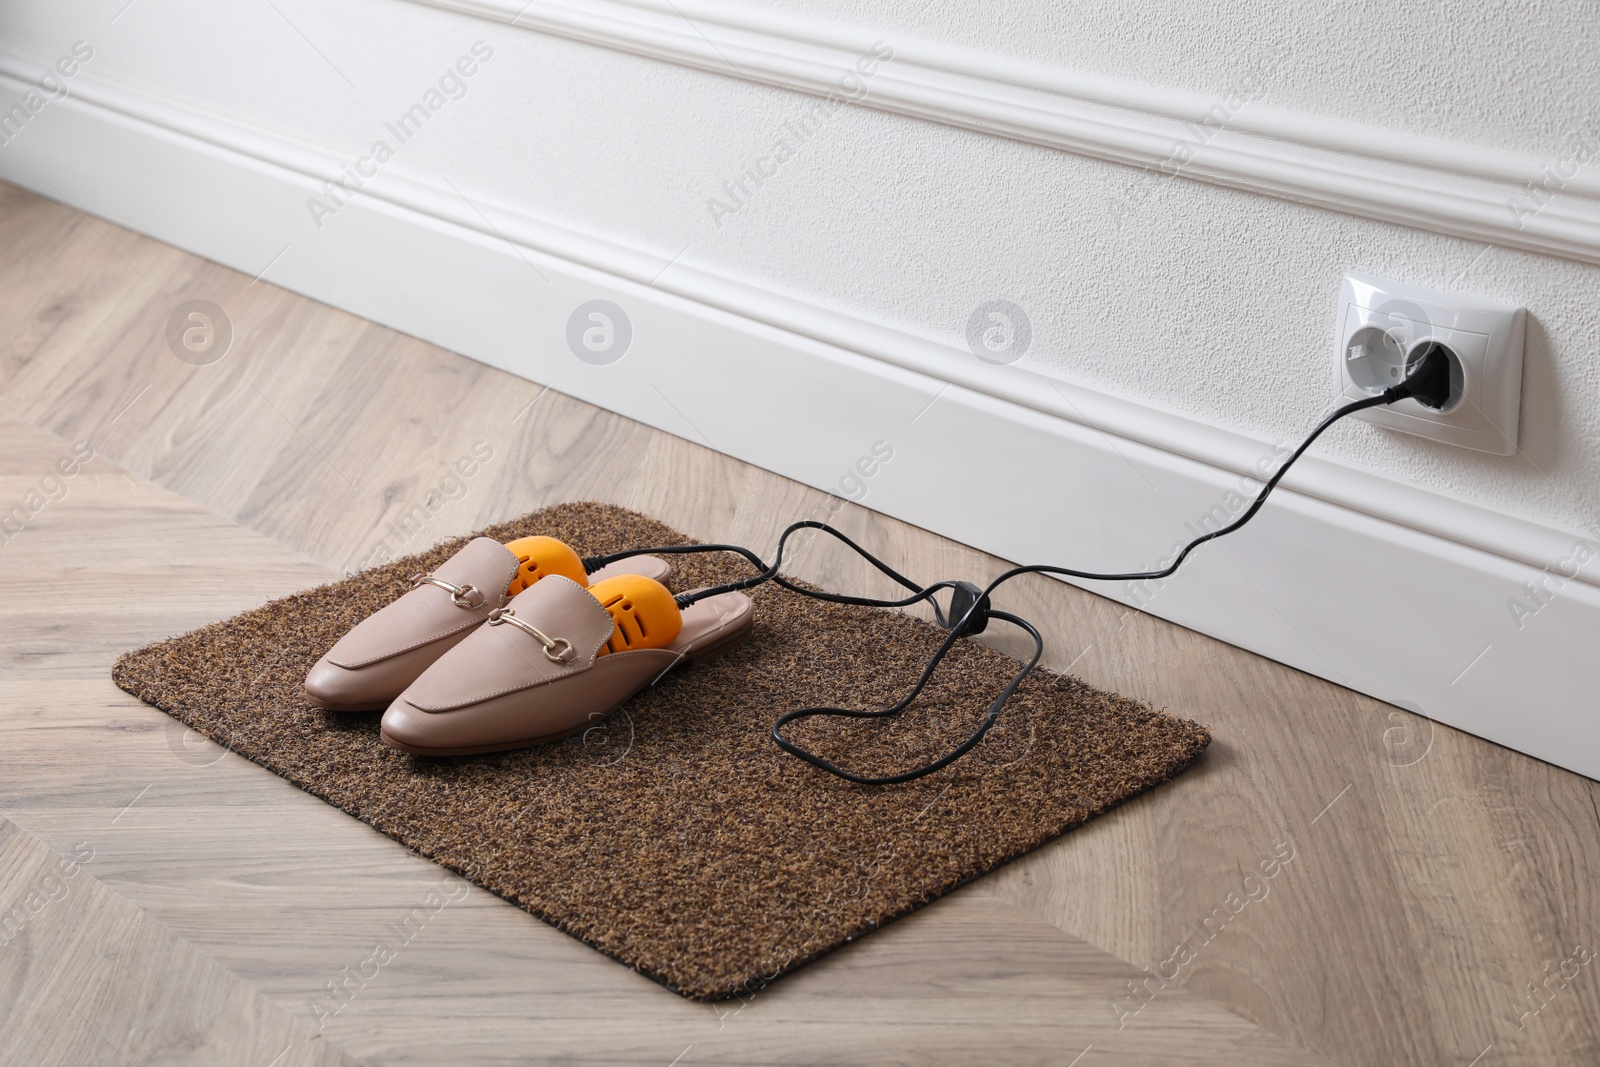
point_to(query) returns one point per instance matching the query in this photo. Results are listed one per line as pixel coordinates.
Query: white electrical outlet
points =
(1382, 327)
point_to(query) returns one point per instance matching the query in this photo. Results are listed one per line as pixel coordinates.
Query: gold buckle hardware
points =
(460, 595)
(500, 615)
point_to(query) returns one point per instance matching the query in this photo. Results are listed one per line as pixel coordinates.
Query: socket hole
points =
(1375, 359)
(1458, 378)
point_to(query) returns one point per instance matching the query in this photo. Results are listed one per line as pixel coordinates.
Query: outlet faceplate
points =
(1383, 323)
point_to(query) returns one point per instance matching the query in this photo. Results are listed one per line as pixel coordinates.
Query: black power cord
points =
(970, 610)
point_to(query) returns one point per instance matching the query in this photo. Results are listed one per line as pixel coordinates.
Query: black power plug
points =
(1429, 383)
(963, 595)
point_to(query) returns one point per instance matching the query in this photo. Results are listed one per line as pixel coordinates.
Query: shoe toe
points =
(411, 729)
(335, 688)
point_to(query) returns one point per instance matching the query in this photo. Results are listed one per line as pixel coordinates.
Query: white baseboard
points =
(1371, 583)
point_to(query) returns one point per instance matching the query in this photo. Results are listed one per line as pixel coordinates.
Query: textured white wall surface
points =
(1214, 302)
(1516, 76)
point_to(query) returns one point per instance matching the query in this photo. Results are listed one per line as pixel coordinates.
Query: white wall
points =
(1505, 75)
(1192, 315)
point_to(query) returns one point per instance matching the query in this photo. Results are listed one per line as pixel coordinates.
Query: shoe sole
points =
(322, 706)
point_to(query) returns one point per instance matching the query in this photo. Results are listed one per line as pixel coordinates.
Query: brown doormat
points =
(676, 837)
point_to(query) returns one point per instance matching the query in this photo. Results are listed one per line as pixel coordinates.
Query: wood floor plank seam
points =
(34, 918)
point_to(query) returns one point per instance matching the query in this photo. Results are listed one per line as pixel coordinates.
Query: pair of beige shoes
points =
(512, 645)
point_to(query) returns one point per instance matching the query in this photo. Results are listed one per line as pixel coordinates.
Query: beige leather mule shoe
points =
(375, 661)
(555, 661)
